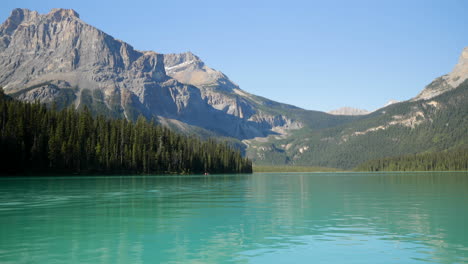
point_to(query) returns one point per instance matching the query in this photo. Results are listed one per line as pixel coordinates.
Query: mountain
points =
(57, 58)
(434, 121)
(348, 111)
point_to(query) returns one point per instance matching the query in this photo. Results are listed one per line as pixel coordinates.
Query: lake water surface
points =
(258, 218)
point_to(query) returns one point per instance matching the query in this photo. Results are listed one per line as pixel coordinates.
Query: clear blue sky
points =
(316, 55)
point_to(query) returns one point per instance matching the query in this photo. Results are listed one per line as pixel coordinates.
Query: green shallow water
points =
(258, 218)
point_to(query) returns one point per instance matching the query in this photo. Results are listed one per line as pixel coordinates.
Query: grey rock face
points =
(47, 56)
(215, 87)
(223, 94)
(44, 93)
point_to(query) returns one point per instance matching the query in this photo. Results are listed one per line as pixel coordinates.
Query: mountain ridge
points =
(57, 58)
(45, 56)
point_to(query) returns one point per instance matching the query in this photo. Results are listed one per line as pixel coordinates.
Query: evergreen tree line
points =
(37, 139)
(453, 160)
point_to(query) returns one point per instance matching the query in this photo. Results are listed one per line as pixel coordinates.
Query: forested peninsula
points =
(36, 139)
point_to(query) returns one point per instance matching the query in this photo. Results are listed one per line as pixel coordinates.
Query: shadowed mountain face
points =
(56, 57)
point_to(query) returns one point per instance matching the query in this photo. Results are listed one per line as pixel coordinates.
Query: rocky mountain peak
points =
(60, 13)
(176, 62)
(57, 57)
(190, 69)
(24, 15)
(188, 55)
(59, 45)
(18, 16)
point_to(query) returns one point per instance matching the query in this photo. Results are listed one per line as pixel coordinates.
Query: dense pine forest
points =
(453, 160)
(35, 139)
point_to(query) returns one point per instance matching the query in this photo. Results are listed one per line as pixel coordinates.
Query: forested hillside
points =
(438, 161)
(432, 125)
(36, 139)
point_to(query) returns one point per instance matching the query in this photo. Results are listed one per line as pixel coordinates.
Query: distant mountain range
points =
(349, 111)
(57, 58)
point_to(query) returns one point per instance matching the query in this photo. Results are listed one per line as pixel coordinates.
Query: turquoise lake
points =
(258, 218)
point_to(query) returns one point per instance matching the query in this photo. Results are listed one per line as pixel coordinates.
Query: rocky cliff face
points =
(56, 57)
(215, 87)
(224, 95)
